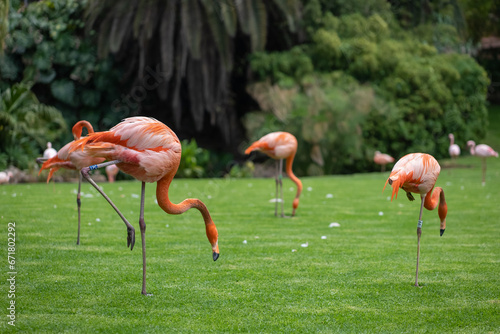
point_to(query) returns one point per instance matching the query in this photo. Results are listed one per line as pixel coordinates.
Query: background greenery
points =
(346, 77)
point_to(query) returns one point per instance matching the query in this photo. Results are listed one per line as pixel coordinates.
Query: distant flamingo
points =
(5, 177)
(417, 173)
(279, 146)
(454, 149)
(149, 151)
(382, 159)
(49, 152)
(75, 160)
(111, 172)
(483, 151)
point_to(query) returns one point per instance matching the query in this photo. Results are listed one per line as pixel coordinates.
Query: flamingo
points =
(49, 152)
(417, 173)
(382, 159)
(5, 177)
(111, 172)
(483, 151)
(454, 149)
(279, 146)
(150, 152)
(76, 160)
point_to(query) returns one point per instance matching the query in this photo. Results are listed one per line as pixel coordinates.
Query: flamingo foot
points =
(130, 238)
(410, 196)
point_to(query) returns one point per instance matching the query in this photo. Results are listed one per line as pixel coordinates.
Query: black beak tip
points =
(441, 232)
(216, 256)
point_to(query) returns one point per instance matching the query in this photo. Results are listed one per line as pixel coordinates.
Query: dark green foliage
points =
(46, 45)
(25, 126)
(366, 88)
(194, 160)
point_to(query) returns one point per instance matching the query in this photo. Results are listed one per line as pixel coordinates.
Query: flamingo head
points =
(471, 143)
(451, 136)
(213, 237)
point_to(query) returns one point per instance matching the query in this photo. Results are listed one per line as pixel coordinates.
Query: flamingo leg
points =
(79, 204)
(281, 187)
(276, 177)
(419, 233)
(484, 171)
(142, 225)
(130, 229)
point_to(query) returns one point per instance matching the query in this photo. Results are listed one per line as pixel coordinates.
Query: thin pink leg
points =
(130, 229)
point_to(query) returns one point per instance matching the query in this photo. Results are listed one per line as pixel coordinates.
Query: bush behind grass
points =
(359, 279)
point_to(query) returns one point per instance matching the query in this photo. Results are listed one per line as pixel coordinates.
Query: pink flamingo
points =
(5, 177)
(111, 172)
(150, 152)
(382, 159)
(417, 173)
(454, 149)
(77, 160)
(49, 152)
(279, 146)
(483, 151)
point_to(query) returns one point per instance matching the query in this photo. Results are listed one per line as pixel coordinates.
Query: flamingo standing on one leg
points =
(454, 149)
(111, 172)
(382, 159)
(483, 151)
(417, 173)
(75, 160)
(150, 152)
(279, 146)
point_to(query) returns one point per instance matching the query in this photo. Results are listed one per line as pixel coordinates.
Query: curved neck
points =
(431, 201)
(291, 175)
(452, 140)
(78, 128)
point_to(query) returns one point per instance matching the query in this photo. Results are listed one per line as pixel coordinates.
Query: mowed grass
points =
(358, 279)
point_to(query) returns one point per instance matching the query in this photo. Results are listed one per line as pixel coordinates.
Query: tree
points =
(26, 125)
(185, 51)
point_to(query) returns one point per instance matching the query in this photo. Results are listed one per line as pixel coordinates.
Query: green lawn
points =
(359, 279)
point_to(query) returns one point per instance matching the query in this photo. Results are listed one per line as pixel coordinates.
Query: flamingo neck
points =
(177, 209)
(78, 128)
(291, 175)
(431, 201)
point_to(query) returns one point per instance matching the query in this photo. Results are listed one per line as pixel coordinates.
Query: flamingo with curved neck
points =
(63, 159)
(279, 146)
(482, 151)
(417, 173)
(150, 152)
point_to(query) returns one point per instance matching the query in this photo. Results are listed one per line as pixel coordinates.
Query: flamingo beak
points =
(441, 231)
(215, 253)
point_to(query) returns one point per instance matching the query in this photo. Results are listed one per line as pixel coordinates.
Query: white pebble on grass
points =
(329, 195)
(245, 242)
(335, 224)
(380, 213)
(304, 245)
(97, 219)
(323, 237)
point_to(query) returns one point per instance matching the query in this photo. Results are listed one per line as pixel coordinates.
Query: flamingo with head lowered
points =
(417, 173)
(77, 160)
(279, 146)
(483, 151)
(150, 152)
